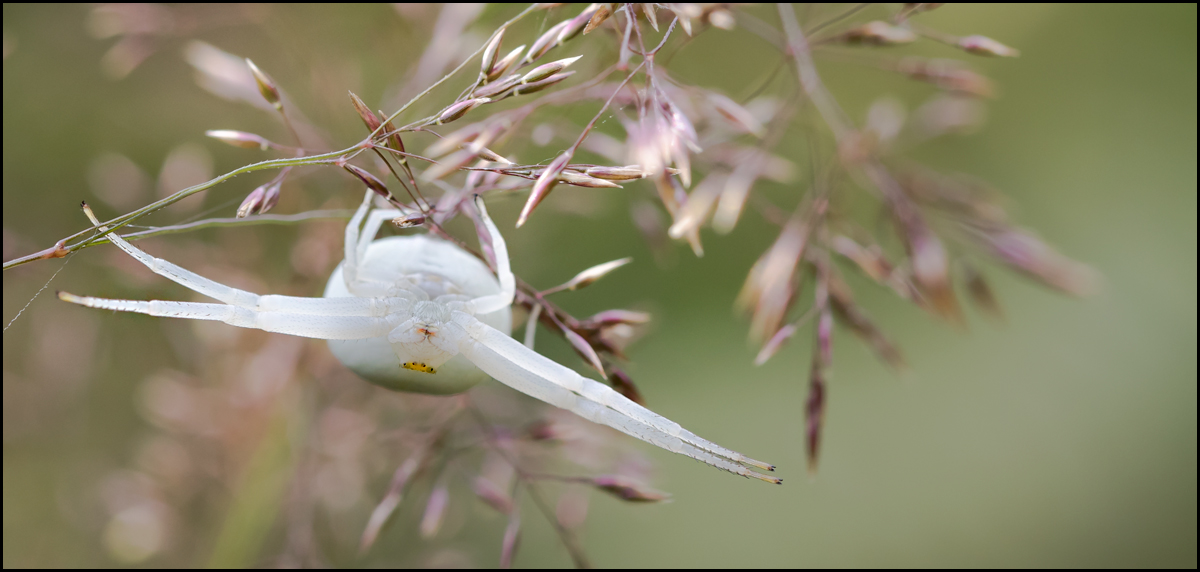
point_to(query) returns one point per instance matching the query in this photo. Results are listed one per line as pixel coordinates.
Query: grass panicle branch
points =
(704, 155)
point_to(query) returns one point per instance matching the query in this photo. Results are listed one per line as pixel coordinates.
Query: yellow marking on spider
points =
(417, 366)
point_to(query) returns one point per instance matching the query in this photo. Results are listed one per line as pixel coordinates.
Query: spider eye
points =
(418, 366)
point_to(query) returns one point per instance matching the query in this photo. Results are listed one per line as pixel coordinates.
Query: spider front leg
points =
(513, 364)
(176, 273)
(322, 327)
(342, 318)
(357, 242)
(508, 282)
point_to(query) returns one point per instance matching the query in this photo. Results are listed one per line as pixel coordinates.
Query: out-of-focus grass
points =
(1065, 437)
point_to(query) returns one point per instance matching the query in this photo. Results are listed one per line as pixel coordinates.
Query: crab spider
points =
(416, 313)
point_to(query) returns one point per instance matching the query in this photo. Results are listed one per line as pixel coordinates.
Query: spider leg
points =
(371, 228)
(357, 242)
(508, 283)
(249, 300)
(178, 274)
(350, 265)
(516, 366)
(307, 325)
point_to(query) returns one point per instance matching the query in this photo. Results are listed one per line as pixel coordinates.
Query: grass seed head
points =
(628, 489)
(581, 180)
(537, 86)
(490, 53)
(266, 86)
(626, 173)
(239, 139)
(455, 111)
(721, 18)
(544, 184)
(251, 203)
(879, 33)
(498, 89)
(598, 17)
(649, 10)
(371, 181)
(546, 70)
(545, 42)
(504, 63)
(368, 117)
(985, 46)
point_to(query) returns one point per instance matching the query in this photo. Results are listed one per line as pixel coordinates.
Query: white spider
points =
(419, 314)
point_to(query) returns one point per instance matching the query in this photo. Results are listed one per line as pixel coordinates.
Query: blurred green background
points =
(1064, 437)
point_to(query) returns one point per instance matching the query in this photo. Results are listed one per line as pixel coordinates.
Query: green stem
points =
(123, 220)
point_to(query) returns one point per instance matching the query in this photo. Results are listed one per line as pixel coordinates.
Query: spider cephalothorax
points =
(434, 278)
